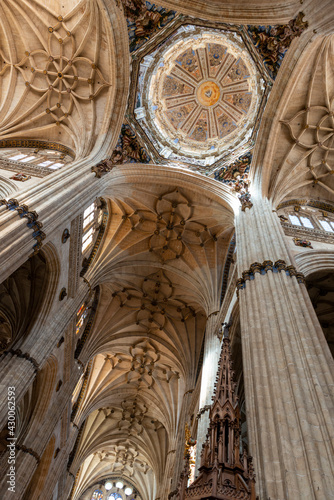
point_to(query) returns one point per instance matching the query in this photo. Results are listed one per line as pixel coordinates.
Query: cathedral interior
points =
(167, 249)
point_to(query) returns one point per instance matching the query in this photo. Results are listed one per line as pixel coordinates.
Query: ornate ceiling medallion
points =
(199, 95)
(208, 93)
(202, 94)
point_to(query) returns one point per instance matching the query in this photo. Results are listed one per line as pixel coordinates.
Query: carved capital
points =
(266, 266)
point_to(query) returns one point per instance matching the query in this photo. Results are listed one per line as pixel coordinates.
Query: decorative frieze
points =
(25, 169)
(298, 202)
(20, 354)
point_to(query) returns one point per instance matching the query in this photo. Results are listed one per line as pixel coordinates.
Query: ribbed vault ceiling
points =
(160, 276)
(57, 71)
(299, 159)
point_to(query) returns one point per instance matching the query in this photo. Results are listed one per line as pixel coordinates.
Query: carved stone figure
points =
(273, 41)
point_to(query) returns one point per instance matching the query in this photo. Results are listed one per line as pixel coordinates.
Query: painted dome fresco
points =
(199, 95)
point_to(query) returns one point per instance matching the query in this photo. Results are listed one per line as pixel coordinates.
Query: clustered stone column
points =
(175, 459)
(209, 372)
(288, 368)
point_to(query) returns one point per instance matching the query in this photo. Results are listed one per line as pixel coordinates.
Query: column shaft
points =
(209, 373)
(288, 369)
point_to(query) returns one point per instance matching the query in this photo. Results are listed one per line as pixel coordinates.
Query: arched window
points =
(114, 496)
(92, 218)
(37, 158)
(88, 227)
(82, 315)
(311, 215)
(301, 221)
(95, 219)
(97, 495)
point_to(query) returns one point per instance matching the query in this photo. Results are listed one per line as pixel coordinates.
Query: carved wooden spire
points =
(223, 474)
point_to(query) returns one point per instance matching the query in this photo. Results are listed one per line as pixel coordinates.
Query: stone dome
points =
(201, 95)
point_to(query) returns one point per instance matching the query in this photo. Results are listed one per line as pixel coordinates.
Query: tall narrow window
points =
(88, 227)
(81, 317)
(17, 157)
(92, 219)
(29, 158)
(87, 239)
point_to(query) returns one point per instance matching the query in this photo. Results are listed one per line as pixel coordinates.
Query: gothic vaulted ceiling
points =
(160, 274)
(56, 72)
(299, 158)
(197, 97)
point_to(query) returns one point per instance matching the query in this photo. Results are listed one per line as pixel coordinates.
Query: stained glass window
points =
(114, 496)
(97, 495)
(81, 316)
